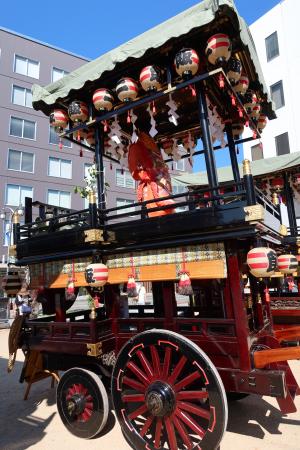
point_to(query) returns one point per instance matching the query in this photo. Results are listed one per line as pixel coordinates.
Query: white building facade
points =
(276, 39)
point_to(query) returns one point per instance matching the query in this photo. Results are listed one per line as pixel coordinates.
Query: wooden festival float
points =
(194, 79)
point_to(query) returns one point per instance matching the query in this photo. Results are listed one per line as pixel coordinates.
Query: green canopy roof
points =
(45, 98)
(260, 167)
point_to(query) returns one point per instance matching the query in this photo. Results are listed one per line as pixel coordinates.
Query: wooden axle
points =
(264, 357)
(287, 334)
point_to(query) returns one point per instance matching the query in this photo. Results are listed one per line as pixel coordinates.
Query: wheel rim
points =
(81, 403)
(165, 394)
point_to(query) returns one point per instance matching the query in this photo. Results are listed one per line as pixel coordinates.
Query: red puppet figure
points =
(147, 166)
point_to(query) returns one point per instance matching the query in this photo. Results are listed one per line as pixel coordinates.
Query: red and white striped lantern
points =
(237, 130)
(127, 90)
(255, 111)
(59, 120)
(78, 111)
(242, 86)
(103, 100)
(186, 62)
(11, 283)
(96, 274)
(234, 70)
(250, 101)
(262, 122)
(262, 261)
(218, 49)
(90, 138)
(150, 78)
(287, 263)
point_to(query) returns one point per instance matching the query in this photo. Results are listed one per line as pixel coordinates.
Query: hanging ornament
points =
(255, 111)
(168, 147)
(237, 130)
(96, 274)
(186, 63)
(173, 116)
(287, 263)
(184, 285)
(216, 125)
(134, 136)
(131, 284)
(262, 122)
(250, 100)
(221, 81)
(150, 78)
(242, 86)
(153, 131)
(267, 295)
(103, 100)
(218, 50)
(127, 90)
(11, 283)
(59, 120)
(234, 70)
(262, 261)
(78, 111)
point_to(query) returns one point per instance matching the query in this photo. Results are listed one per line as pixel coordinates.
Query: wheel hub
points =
(76, 405)
(160, 399)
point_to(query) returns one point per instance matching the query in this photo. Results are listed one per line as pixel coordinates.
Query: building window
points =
(180, 190)
(26, 66)
(277, 94)
(179, 165)
(59, 167)
(125, 202)
(59, 198)
(22, 128)
(21, 161)
(15, 194)
(21, 96)
(54, 139)
(57, 74)
(272, 47)
(6, 233)
(257, 152)
(282, 144)
(124, 179)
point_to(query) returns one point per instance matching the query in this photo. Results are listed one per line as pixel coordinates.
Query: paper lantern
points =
(11, 283)
(262, 261)
(250, 101)
(103, 100)
(59, 120)
(96, 274)
(78, 111)
(186, 62)
(127, 90)
(167, 147)
(90, 138)
(287, 263)
(255, 111)
(237, 130)
(262, 122)
(242, 86)
(150, 78)
(277, 183)
(234, 70)
(218, 49)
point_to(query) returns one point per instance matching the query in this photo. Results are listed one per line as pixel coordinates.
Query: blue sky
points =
(92, 28)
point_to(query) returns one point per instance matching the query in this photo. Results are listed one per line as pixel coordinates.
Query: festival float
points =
(186, 88)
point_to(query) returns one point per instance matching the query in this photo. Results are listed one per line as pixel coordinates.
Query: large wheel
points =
(167, 394)
(82, 402)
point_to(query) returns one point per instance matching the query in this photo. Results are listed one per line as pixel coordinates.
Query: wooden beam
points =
(287, 334)
(265, 357)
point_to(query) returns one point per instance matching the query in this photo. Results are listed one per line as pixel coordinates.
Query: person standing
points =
(141, 295)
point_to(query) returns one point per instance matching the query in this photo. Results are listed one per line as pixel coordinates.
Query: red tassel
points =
(78, 136)
(96, 301)
(131, 287)
(80, 152)
(185, 285)
(105, 126)
(267, 295)
(70, 287)
(221, 81)
(128, 117)
(233, 102)
(60, 145)
(153, 108)
(254, 134)
(240, 112)
(247, 123)
(192, 88)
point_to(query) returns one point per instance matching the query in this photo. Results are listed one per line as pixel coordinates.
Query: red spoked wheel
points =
(167, 394)
(82, 402)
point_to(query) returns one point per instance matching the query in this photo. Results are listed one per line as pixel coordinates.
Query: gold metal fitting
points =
(246, 167)
(275, 199)
(93, 314)
(92, 197)
(15, 217)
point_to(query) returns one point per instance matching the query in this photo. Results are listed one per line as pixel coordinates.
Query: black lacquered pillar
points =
(232, 153)
(249, 183)
(99, 152)
(290, 205)
(206, 138)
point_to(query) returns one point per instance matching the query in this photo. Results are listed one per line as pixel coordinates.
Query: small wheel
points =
(167, 394)
(82, 402)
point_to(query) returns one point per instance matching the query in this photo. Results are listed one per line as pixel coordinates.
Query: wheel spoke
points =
(133, 384)
(183, 432)
(155, 360)
(177, 370)
(192, 395)
(189, 421)
(89, 405)
(138, 412)
(145, 363)
(133, 398)
(171, 434)
(146, 426)
(167, 360)
(186, 406)
(138, 372)
(158, 429)
(186, 381)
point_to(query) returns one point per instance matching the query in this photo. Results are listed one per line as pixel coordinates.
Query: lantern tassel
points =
(192, 88)
(185, 285)
(60, 145)
(131, 287)
(267, 295)
(128, 117)
(221, 81)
